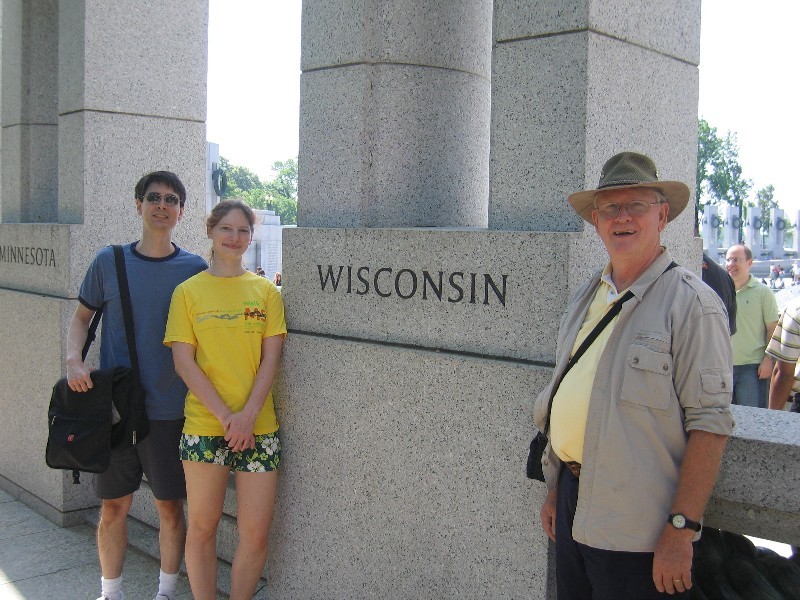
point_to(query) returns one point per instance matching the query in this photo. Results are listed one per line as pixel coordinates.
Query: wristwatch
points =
(679, 521)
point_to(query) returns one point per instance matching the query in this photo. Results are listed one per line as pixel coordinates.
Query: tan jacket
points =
(666, 370)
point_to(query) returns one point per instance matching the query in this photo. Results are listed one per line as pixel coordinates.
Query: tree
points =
(279, 194)
(766, 198)
(240, 179)
(719, 174)
(285, 182)
(256, 198)
(707, 148)
(282, 190)
(726, 182)
(286, 208)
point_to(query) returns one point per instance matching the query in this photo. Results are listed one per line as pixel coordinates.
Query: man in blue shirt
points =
(155, 266)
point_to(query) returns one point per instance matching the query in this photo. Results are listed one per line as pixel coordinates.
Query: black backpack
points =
(84, 426)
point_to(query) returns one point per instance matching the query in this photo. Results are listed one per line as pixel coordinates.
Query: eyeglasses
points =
(636, 208)
(735, 260)
(169, 199)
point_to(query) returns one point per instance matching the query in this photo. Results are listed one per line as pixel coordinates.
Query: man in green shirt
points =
(756, 317)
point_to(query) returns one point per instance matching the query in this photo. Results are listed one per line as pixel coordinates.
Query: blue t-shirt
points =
(151, 282)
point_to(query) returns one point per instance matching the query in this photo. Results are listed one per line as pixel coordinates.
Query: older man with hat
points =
(638, 411)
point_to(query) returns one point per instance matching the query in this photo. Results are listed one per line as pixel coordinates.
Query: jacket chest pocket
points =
(648, 379)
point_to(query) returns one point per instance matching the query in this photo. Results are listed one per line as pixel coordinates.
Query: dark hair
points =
(226, 206)
(165, 177)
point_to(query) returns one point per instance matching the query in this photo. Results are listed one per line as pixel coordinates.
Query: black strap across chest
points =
(598, 329)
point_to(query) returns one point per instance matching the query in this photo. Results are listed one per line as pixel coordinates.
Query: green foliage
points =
(255, 198)
(278, 194)
(240, 179)
(707, 148)
(286, 208)
(765, 199)
(719, 174)
(285, 182)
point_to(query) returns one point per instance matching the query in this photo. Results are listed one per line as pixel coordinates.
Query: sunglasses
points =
(169, 199)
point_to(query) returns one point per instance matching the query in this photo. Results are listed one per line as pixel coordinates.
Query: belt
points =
(574, 467)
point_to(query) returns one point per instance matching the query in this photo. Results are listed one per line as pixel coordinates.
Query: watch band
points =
(680, 521)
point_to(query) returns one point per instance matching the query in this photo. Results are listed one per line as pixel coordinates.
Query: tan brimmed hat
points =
(630, 170)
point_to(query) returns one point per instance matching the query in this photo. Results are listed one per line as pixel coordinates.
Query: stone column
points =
(573, 83)
(95, 95)
(753, 227)
(30, 112)
(730, 231)
(777, 233)
(412, 359)
(796, 234)
(394, 116)
(709, 231)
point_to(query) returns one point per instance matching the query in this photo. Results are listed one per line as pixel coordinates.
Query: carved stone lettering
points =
(406, 284)
(28, 255)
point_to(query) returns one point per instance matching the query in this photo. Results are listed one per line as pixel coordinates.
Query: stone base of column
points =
(405, 401)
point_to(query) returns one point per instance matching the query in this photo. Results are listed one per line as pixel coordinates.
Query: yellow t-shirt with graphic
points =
(226, 319)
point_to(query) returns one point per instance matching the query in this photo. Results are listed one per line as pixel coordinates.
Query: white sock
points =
(112, 588)
(167, 582)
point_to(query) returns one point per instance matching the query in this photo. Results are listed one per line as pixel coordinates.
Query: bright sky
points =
(254, 81)
(748, 84)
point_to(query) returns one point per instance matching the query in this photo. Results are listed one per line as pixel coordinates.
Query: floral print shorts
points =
(214, 449)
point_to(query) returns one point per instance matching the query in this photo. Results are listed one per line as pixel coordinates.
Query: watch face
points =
(679, 521)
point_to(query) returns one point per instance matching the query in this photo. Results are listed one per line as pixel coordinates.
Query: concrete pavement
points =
(39, 560)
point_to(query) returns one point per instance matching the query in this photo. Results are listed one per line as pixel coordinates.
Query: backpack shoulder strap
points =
(92, 333)
(127, 309)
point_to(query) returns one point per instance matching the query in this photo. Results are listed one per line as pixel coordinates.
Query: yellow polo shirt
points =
(571, 402)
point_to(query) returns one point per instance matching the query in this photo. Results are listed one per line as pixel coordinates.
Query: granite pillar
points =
(576, 82)
(395, 113)
(30, 111)
(90, 104)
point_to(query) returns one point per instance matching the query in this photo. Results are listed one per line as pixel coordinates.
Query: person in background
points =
(226, 328)
(155, 265)
(756, 317)
(277, 279)
(718, 280)
(784, 347)
(773, 275)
